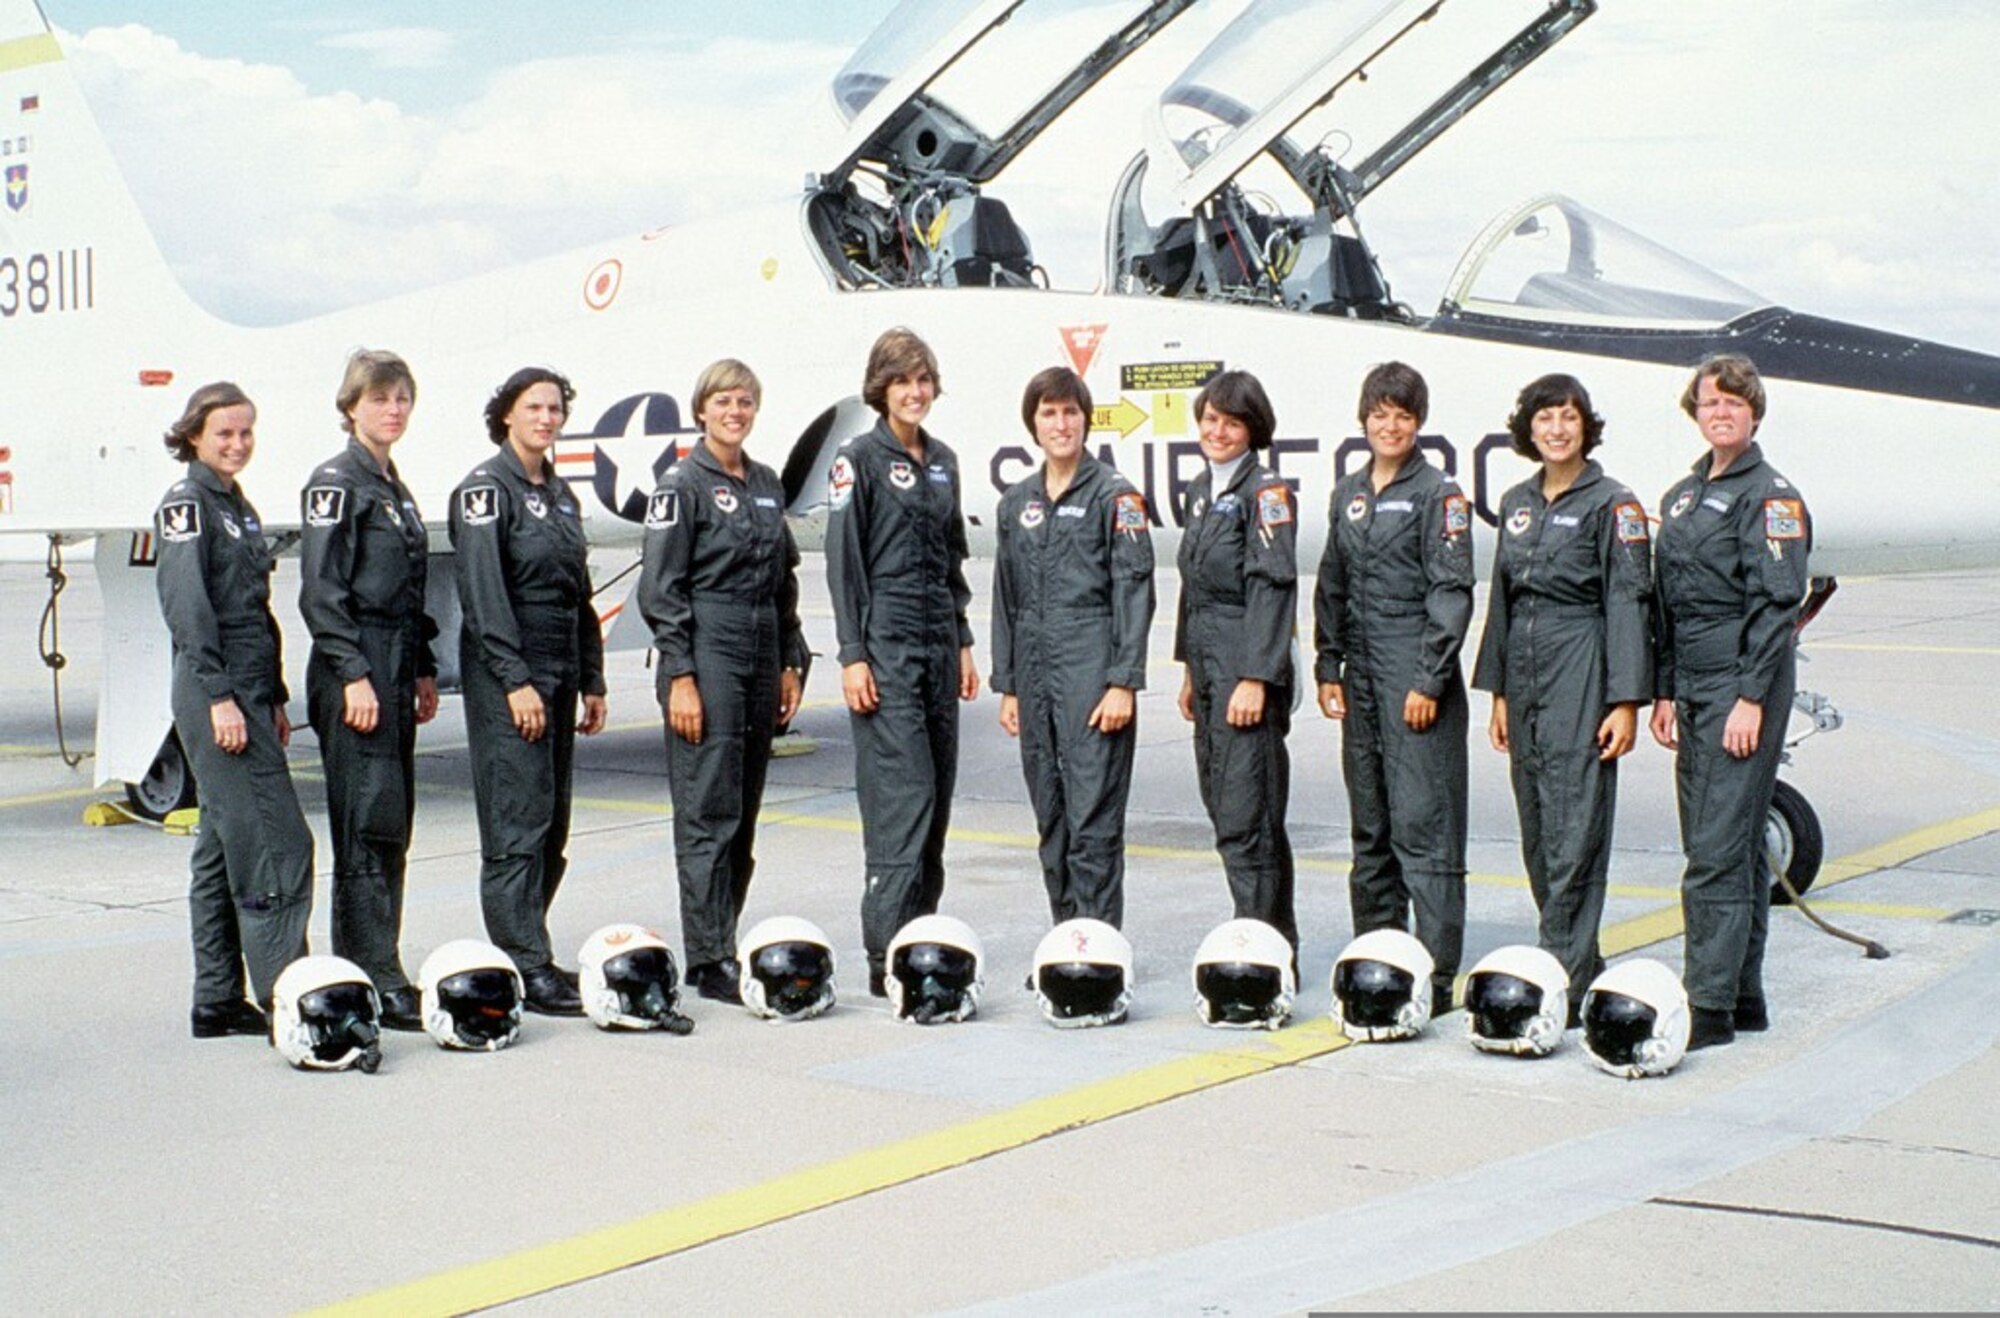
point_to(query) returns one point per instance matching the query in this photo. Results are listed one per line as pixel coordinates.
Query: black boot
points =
(401, 1010)
(718, 981)
(1751, 1015)
(1709, 1028)
(1441, 1002)
(549, 993)
(878, 982)
(214, 1020)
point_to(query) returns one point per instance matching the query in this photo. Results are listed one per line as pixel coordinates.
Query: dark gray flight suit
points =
(720, 589)
(250, 882)
(895, 565)
(1569, 634)
(1239, 590)
(364, 557)
(1729, 577)
(1072, 602)
(524, 585)
(1392, 609)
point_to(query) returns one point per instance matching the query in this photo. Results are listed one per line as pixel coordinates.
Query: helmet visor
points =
(1502, 1005)
(645, 981)
(338, 1017)
(483, 1003)
(1239, 992)
(1615, 1026)
(1081, 988)
(794, 975)
(1372, 993)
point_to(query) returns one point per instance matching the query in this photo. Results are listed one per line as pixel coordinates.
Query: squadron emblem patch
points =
(1784, 519)
(1519, 520)
(229, 525)
(1274, 506)
(902, 476)
(478, 505)
(840, 482)
(1457, 515)
(663, 510)
(325, 505)
(533, 502)
(1357, 508)
(725, 498)
(1130, 514)
(180, 520)
(1682, 504)
(1631, 524)
(1031, 516)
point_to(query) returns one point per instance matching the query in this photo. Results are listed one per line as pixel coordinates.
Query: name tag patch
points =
(1071, 510)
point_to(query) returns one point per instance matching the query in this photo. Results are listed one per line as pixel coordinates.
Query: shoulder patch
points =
(1129, 512)
(664, 509)
(1784, 519)
(478, 504)
(1457, 513)
(180, 520)
(1274, 506)
(840, 481)
(325, 505)
(1631, 523)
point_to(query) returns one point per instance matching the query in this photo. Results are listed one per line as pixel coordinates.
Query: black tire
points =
(1792, 833)
(168, 785)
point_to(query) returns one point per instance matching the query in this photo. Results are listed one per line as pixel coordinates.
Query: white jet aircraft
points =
(1315, 101)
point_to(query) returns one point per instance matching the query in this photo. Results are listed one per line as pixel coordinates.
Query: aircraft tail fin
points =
(73, 245)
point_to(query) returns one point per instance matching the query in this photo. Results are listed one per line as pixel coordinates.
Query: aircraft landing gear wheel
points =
(168, 785)
(1792, 834)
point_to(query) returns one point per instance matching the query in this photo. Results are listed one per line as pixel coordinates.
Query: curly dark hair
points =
(509, 393)
(1552, 391)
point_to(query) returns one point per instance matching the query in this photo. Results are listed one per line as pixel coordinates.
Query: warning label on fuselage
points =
(1147, 377)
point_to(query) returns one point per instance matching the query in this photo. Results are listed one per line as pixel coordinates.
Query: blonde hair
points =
(370, 368)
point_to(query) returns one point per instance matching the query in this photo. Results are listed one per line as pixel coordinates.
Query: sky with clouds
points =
(1836, 156)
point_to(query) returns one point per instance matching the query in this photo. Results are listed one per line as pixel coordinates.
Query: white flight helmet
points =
(1083, 974)
(935, 970)
(326, 1016)
(1382, 987)
(628, 981)
(471, 996)
(1517, 1001)
(1243, 978)
(787, 969)
(1635, 1019)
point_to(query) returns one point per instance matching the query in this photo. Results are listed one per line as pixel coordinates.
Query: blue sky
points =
(1837, 157)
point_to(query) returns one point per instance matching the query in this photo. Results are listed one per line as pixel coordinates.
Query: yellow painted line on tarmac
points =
(544, 1268)
(1890, 647)
(43, 798)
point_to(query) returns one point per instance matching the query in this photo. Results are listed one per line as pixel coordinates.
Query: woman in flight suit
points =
(1072, 602)
(1729, 577)
(1239, 586)
(895, 566)
(364, 559)
(1568, 656)
(720, 589)
(530, 649)
(250, 885)
(1392, 609)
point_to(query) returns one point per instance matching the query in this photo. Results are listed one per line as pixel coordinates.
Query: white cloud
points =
(397, 47)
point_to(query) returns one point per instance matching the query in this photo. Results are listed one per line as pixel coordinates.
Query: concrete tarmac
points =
(1847, 1159)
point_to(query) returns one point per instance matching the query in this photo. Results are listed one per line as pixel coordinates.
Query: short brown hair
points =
(1733, 373)
(182, 434)
(370, 368)
(896, 354)
(1055, 384)
(1552, 391)
(1398, 383)
(727, 373)
(1239, 394)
